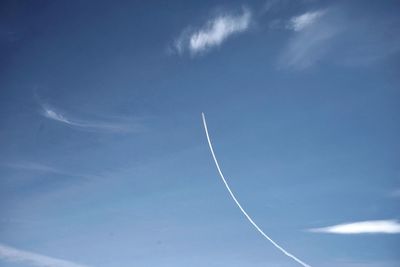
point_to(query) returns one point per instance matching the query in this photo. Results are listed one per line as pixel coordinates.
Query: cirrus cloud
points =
(90, 125)
(364, 227)
(21, 256)
(213, 33)
(301, 22)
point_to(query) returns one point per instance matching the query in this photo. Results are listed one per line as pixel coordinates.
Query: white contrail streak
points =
(240, 206)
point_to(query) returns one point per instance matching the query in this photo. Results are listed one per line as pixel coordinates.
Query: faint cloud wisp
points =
(313, 32)
(333, 35)
(395, 193)
(20, 256)
(364, 227)
(120, 127)
(42, 168)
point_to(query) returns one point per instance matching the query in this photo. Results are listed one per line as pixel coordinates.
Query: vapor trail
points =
(240, 206)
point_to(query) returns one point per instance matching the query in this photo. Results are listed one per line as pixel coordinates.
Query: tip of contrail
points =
(203, 116)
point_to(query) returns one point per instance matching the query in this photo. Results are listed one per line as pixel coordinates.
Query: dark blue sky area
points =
(104, 160)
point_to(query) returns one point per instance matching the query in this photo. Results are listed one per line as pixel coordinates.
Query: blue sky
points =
(104, 160)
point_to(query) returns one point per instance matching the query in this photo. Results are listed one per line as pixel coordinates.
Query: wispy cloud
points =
(332, 35)
(20, 256)
(310, 41)
(305, 20)
(103, 126)
(51, 114)
(364, 227)
(213, 33)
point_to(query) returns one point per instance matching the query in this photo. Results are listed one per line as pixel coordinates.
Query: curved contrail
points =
(240, 206)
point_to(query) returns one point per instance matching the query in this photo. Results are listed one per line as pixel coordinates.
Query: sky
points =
(104, 160)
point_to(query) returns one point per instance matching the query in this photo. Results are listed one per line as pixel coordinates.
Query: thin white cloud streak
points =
(364, 227)
(240, 206)
(213, 33)
(305, 20)
(52, 114)
(20, 256)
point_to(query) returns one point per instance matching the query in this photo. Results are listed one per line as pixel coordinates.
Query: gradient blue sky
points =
(104, 160)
